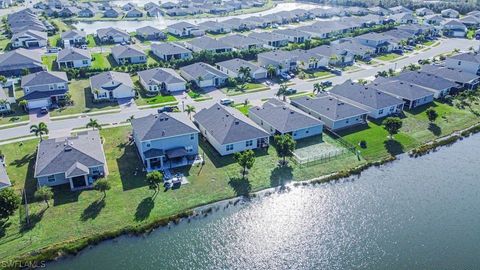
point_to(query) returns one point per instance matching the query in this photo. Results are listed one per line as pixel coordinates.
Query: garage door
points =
(38, 103)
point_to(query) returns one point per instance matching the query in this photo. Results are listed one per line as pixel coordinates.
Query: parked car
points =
(166, 109)
(290, 91)
(285, 76)
(327, 83)
(226, 101)
(53, 49)
(84, 47)
(337, 72)
(43, 110)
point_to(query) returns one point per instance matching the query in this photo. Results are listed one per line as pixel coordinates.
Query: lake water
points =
(419, 213)
(131, 26)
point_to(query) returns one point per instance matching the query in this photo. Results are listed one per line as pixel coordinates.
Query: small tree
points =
(245, 159)
(9, 203)
(23, 103)
(154, 179)
(39, 130)
(190, 109)
(102, 185)
(282, 91)
(432, 115)
(3, 79)
(392, 125)
(44, 193)
(271, 71)
(285, 145)
(245, 73)
(93, 123)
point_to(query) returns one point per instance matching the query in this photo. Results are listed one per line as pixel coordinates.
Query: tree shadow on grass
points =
(93, 210)
(30, 183)
(23, 160)
(435, 129)
(144, 208)
(33, 220)
(393, 147)
(241, 186)
(62, 194)
(281, 176)
(130, 168)
(3, 227)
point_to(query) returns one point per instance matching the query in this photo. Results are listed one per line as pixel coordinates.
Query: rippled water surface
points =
(411, 214)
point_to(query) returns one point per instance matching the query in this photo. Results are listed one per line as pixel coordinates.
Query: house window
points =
(148, 144)
(248, 143)
(380, 112)
(51, 178)
(85, 62)
(60, 86)
(459, 63)
(51, 87)
(229, 147)
(189, 148)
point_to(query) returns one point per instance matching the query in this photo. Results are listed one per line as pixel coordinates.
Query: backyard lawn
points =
(55, 40)
(74, 215)
(100, 61)
(91, 42)
(49, 62)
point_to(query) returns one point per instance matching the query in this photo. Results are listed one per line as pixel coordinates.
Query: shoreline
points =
(73, 247)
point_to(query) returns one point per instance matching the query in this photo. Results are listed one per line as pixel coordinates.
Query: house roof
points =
(44, 77)
(160, 75)
(291, 33)
(330, 106)
(103, 78)
(20, 58)
(73, 34)
(451, 74)
(236, 63)
(72, 54)
(401, 89)
(182, 25)
(278, 55)
(267, 36)
(33, 33)
(69, 155)
(429, 81)
(125, 51)
(239, 41)
(169, 48)
(207, 43)
(111, 31)
(163, 125)
(228, 125)
(467, 57)
(200, 69)
(148, 30)
(283, 116)
(365, 95)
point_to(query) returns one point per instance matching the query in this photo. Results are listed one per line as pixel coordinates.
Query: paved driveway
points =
(36, 116)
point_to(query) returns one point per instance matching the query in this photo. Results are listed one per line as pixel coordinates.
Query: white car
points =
(226, 101)
(53, 50)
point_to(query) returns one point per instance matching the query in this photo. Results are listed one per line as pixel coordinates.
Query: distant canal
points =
(419, 213)
(161, 22)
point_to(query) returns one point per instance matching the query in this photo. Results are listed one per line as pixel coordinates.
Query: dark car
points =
(43, 110)
(327, 83)
(166, 109)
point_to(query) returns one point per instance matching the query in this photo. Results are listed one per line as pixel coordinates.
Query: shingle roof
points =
(291, 33)
(33, 33)
(236, 63)
(228, 125)
(330, 106)
(159, 75)
(44, 77)
(365, 95)
(72, 34)
(238, 41)
(69, 154)
(182, 25)
(267, 36)
(207, 43)
(101, 79)
(169, 48)
(468, 57)
(426, 80)
(451, 74)
(148, 30)
(193, 71)
(72, 54)
(111, 31)
(20, 58)
(44, 94)
(283, 116)
(402, 89)
(162, 125)
(123, 51)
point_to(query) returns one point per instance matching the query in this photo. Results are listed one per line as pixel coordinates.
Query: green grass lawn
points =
(49, 62)
(62, 26)
(100, 60)
(82, 100)
(243, 108)
(144, 99)
(17, 115)
(388, 57)
(198, 95)
(4, 43)
(470, 34)
(73, 215)
(91, 42)
(318, 74)
(249, 88)
(55, 40)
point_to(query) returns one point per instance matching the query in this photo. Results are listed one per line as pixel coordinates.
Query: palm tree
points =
(39, 130)
(190, 109)
(199, 81)
(271, 71)
(23, 103)
(93, 123)
(282, 90)
(245, 72)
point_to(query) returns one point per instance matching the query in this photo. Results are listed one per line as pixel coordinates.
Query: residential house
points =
(73, 37)
(468, 62)
(333, 112)
(112, 13)
(128, 7)
(161, 80)
(44, 88)
(207, 44)
(229, 131)
(112, 35)
(75, 160)
(438, 85)
(434, 19)
(74, 58)
(238, 24)
(233, 67)
(270, 39)
(278, 117)
(128, 54)
(13, 63)
(450, 13)
(215, 27)
(112, 85)
(377, 10)
(185, 29)
(423, 12)
(454, 28)
(308, 59)
(241, 42)
(400, 9)
(165, 140)
(471, 21)
(403, 18)
(68, 12)
(294, 35)
(7, 97)
(29, 39)
(464, 79)
(150, 5)
(134, 13)
(378, 104)
(413, 95)
(150, 33)
(168, 51)
(154, 12)
(282, 61)
(379, 42)
(334, 55)
(352, 46)
(86, 13)
(204, 75)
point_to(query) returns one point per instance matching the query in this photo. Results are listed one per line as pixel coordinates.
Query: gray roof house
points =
(433, 19)
(378, 104)
(334, 112)
(112, 85)
(77, 160)
(467, 80)
(165, 140)
(4, 179)
(134, 13)
(270, 39)
(169, 50)
(207, 44)
(215, 27)
(73, 37)
(468, 61)
(405, 18)
(278, 117)
(185, 29)
(150, 33)
(413, 95)
(438, 85)
(450, 13)
(423, 11)
(29, 39)
(204, 75)
(161, 80)
(86, 12)
(74, 58)
(308, 59)
(241, 42)
(13, 63)
(283, 61)
(44, 88)
(128, 54)
(454, 28)
(232, 68)
(112, 13)
(229, 131)
(112, 35)
(400, 9)
(294, 35)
